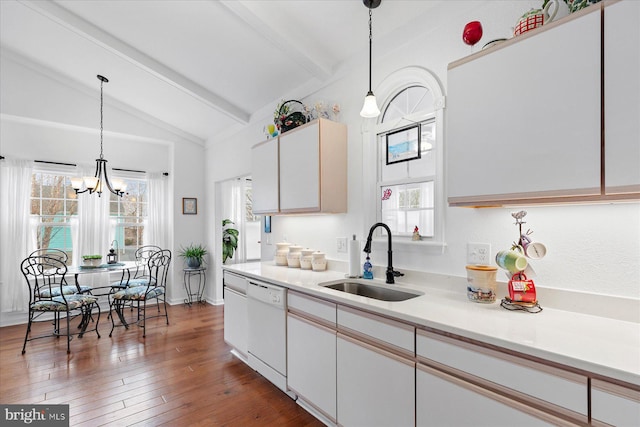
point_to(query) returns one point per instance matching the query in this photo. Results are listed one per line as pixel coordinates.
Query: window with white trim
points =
(128, 215)
(53, 204)
(407, 189)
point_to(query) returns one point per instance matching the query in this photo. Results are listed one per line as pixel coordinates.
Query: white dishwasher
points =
(267, 343)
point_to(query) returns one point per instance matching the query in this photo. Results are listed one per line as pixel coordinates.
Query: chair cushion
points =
(67, 290)
(138, 293)
(140, 281)
(57, 303)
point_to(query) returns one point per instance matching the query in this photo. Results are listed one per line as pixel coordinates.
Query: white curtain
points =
(233, 196)
(17, 239)
(93, 228)
(157, 225)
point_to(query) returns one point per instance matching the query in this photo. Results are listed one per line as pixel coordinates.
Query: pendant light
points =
(97, 183)
(370, 108)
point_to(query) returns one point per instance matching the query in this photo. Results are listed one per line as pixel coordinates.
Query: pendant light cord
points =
(101, 103)
(370, 43)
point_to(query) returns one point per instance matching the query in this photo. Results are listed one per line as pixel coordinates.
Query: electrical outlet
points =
(341, 244)
(478, 253)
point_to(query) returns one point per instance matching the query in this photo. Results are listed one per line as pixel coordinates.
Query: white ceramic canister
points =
(306, 258)
(282, 250)
(318, 261)
(293, 257)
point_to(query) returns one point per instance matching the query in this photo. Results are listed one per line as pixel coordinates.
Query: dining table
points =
(124, 267)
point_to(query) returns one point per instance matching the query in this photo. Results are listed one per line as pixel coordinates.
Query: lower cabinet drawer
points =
(561, 391)
(444, 400)
(614, 405)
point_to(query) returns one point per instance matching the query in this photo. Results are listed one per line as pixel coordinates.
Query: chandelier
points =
(370, 107)
(100, 180)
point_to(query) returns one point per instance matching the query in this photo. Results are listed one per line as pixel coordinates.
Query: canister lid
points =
(482, 267)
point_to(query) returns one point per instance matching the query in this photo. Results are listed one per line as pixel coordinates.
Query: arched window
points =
(409, 161)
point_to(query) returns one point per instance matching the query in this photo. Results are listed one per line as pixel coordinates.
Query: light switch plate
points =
(478, 253)
(341, 244)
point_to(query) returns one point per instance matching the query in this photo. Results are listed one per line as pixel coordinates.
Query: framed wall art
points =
(189, 206)
(403, 144)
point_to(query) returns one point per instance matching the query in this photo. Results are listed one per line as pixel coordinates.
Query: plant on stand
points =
(229, 240)
(194, 254)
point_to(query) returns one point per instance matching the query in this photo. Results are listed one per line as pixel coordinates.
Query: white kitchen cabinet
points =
(311, 364)
(622, 97)
(235, 314)
(614, 404)
(311, 354)
(375, 387)
(523, 118)
(444, 400)
(313, 168)
(264, 177)
(550, 389)
(375, 371)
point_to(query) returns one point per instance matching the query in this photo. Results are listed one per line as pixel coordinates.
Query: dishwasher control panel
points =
(267, 293)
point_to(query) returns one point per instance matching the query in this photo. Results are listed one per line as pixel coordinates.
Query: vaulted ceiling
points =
(203, 67)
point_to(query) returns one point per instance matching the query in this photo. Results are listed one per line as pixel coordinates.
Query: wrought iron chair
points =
(45, 278)
(62, 256)
(153, 288)
(140, 277)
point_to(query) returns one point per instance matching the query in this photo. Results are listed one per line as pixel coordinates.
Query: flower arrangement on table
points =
(92, 260)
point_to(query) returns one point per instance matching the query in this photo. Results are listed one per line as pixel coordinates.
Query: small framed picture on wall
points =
(189, 206)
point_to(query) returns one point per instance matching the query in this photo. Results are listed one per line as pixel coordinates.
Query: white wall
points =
(591, 248)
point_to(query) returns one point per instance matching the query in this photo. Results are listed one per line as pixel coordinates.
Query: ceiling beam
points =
(94, 34)
(295, 53)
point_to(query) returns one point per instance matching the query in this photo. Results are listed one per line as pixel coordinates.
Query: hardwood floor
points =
(179, 375)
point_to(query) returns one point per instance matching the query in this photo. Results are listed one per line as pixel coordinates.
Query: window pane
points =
(405, 206)
(35, 207)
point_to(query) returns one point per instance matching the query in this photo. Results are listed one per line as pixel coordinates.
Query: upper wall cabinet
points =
(264, 176)
(622, 97)
(525, 117)
(311, 171)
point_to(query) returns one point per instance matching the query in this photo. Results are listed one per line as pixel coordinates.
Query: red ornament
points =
(472, 33)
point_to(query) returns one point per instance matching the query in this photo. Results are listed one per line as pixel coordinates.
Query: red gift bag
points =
(522, 289)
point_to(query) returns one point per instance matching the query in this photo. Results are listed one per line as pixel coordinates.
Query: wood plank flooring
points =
(181, 374)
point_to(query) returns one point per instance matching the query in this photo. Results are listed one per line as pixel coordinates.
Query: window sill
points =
(405, 244)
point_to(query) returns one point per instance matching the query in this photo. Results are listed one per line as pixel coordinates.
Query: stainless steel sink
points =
(371, 291)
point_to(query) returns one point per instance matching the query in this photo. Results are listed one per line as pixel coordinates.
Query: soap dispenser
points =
(368, 269)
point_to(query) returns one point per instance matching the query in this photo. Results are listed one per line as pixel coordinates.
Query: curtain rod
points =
(73, 164)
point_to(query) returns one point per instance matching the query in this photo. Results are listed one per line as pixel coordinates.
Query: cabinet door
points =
(375, 387)
(614, 405)
(622, 97)
(264, 176)
(235, 320)
(523, 121)
(443, 400)
(300, 169)
(311, 363)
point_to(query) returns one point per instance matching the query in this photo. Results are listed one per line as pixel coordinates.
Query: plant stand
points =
(189, 274)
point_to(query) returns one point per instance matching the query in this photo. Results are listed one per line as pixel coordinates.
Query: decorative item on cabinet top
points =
(576, 5)
(291, 114)
(536, 17)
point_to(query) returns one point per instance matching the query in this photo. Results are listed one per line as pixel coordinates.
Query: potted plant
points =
(193, 254)
(91, 260)
(229, 240)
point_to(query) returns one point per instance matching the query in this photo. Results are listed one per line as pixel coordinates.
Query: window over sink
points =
(409, 192)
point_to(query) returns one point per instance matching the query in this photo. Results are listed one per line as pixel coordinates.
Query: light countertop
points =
(601, 345)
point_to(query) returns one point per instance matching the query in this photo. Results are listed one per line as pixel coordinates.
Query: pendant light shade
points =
(370, 108)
